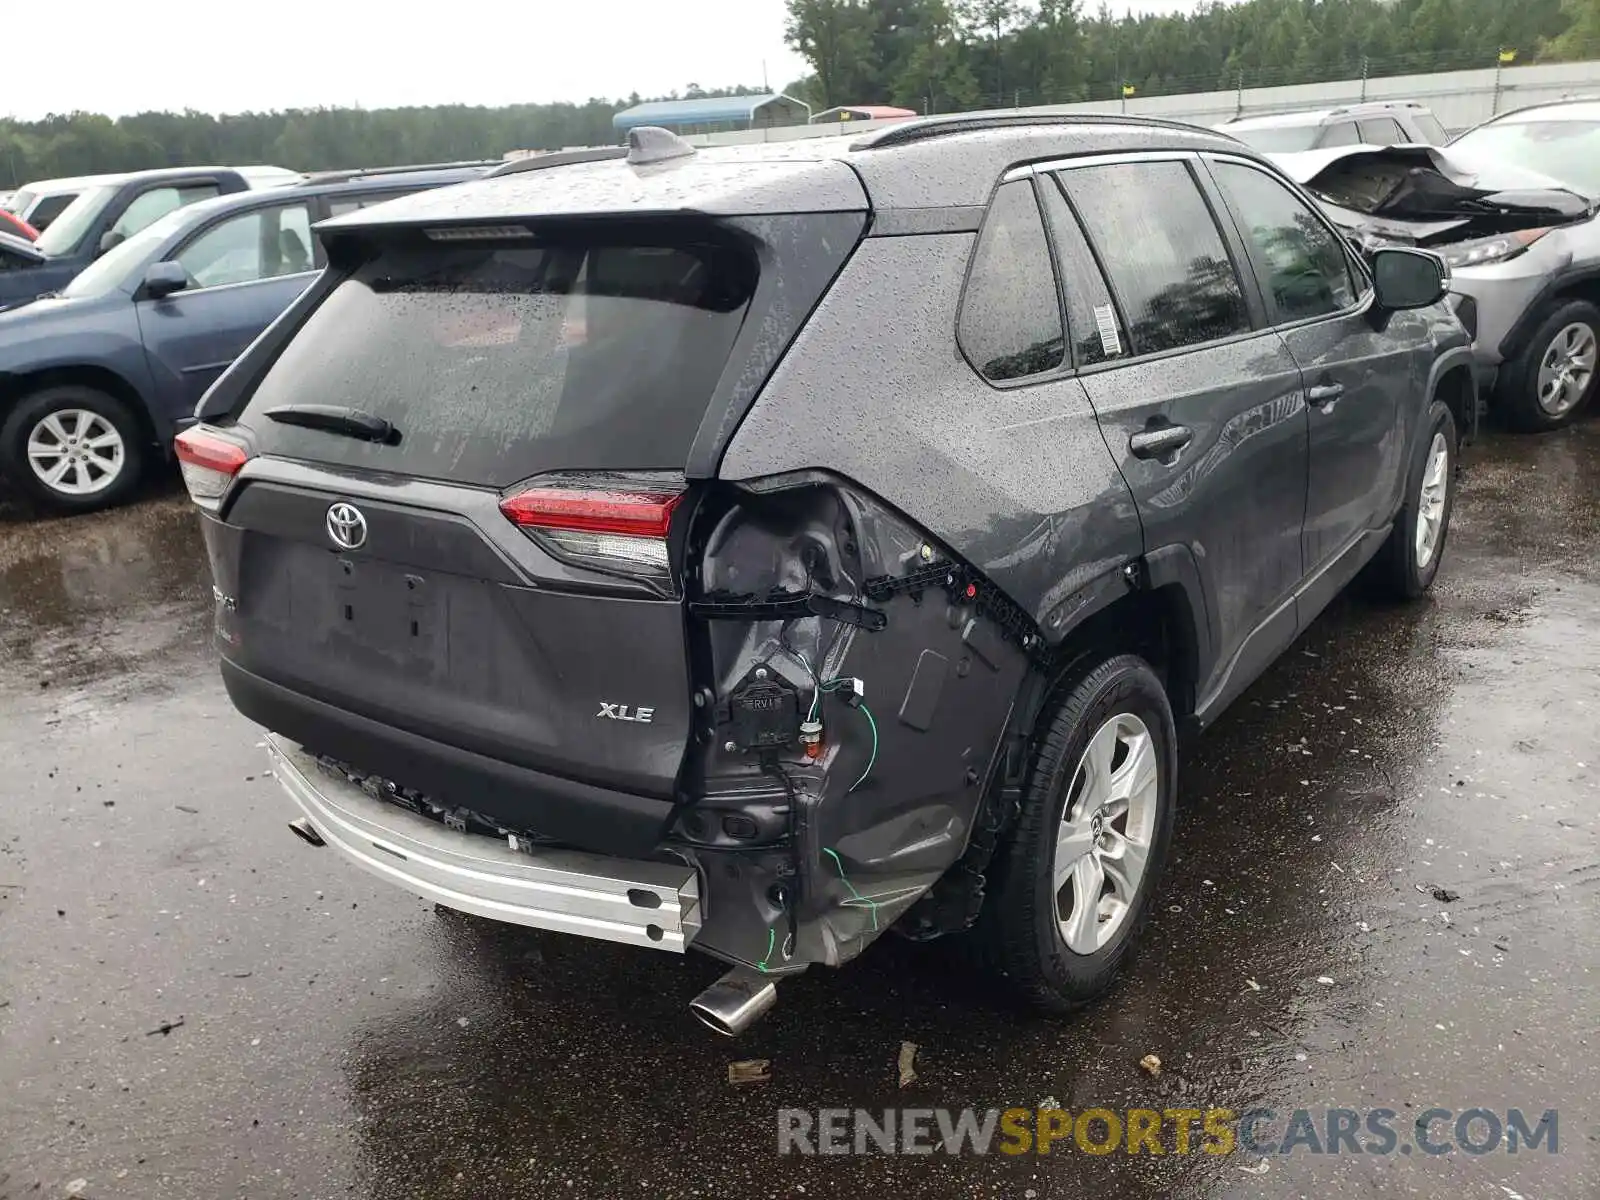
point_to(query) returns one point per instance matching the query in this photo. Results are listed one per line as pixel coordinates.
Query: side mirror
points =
(110, 240)
(1408, 278)
(164, 278)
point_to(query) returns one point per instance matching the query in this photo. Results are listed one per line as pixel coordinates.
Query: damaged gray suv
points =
(756, 550)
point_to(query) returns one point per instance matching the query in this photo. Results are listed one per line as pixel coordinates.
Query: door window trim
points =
(1361, 281)
(1082, 231)
(1248, 285)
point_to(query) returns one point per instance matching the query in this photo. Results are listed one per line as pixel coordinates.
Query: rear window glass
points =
(499, 361)
(1279, 139)
(48, 209)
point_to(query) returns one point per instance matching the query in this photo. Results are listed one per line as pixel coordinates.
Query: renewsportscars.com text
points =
(1215, 1131)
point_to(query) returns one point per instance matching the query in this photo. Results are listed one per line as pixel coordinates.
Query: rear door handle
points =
(1324, 393)
(1160, 442)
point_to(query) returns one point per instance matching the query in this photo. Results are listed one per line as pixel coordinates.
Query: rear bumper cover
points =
(655, 905)
(576, 814)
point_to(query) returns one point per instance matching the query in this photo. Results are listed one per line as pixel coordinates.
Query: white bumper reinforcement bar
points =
(656, 905)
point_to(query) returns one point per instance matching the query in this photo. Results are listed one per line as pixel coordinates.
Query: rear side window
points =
(1380, 131)
(1092, 320)
(497, 361)
(349, 204)
(1428, 125)
(1163, 252)
(1342, 134)
(1010, 324)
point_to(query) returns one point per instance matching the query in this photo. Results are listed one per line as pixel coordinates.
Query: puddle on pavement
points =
(97, 608)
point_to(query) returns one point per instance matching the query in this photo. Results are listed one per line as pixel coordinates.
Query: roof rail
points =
(558, 158)
(908, 132)
(370, 172)
(1343, 109)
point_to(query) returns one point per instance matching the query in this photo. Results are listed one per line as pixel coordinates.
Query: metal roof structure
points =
(708, 110)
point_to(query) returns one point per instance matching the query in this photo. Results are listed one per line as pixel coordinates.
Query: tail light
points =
(208, 462)
(608, 528)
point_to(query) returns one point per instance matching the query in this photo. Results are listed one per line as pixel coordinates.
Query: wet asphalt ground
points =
(194, 1004)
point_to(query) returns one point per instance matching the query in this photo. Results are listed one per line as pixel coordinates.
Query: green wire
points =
(844, 879)
(772, 938)
(867, 712)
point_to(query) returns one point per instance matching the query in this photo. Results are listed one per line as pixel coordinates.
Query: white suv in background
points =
(1380, 123)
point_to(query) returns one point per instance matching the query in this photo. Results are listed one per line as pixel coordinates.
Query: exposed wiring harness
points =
(855, 701)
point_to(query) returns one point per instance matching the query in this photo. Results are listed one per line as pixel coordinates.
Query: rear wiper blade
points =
(333, 418)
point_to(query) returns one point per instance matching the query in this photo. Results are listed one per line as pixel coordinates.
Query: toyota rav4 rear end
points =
(520, 650)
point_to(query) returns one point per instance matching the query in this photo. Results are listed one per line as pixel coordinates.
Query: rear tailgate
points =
(496, 573)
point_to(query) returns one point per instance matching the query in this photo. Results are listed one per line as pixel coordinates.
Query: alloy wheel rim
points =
(76, 452)
(1107, 826)
(1567, 368)
(1430, 500)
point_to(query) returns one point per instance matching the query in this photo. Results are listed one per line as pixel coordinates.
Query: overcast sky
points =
(107, 57)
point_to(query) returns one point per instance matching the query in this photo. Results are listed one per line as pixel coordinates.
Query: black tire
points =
(1397, 572)
(105, 488)
(1020, 924)
(1516, 392)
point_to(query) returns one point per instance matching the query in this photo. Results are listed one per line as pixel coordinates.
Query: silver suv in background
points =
(1511, 207)
(1380, 123)
(1535, 291)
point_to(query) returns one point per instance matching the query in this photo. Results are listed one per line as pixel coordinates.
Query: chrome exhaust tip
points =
(733, 1003)
(306, 832)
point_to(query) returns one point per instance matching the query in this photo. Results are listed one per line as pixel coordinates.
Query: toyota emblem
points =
(347, 528)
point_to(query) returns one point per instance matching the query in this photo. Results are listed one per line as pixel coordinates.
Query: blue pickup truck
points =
(96, 379)
(107, 210)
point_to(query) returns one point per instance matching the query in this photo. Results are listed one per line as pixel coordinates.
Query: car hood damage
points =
(1428, 196)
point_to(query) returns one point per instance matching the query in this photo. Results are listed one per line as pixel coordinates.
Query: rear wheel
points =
(1554, 377)
(1074, 887)
(72, 449)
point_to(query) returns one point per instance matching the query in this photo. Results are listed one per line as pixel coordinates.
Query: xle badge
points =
(619, 712)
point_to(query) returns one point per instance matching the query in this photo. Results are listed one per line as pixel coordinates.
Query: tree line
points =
(927, 55)
(946, 55)
(317, 139)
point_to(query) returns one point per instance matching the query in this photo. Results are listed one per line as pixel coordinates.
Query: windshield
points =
(67, 230)
(1565, 150)
(1278, 139)
(116, 268)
